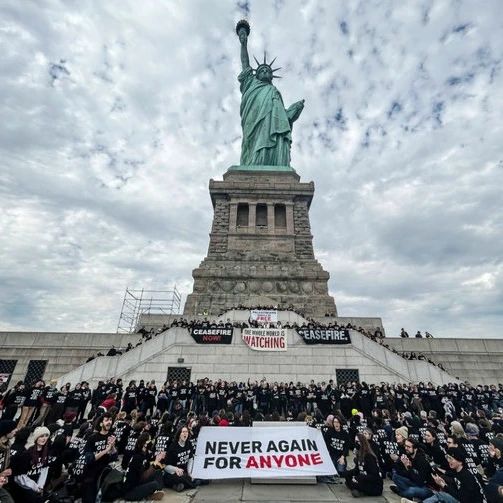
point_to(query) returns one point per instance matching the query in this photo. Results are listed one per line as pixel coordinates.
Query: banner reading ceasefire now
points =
(269, 452)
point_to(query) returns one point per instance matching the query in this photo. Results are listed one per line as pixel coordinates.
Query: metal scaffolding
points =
(139, 302)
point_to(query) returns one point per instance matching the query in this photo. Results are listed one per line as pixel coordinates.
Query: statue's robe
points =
(267, 132)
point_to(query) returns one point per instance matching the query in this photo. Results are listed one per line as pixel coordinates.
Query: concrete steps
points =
(176, 348)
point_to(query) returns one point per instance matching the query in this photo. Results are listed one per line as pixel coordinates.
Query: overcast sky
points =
(115, 114)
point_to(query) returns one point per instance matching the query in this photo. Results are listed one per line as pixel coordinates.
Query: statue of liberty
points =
(267, 125)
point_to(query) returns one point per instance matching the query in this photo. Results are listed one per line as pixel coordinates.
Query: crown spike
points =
(272, 62)
(256, 60)
(276, 69)
(265, 63)
(276, 77)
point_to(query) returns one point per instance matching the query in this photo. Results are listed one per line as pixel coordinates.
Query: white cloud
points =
(115, 115)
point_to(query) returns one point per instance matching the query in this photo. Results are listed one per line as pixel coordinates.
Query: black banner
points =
(211, 335)
(318, 335)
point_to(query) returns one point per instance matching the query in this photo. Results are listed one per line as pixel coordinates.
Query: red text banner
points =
(265, 339)
(268, 452)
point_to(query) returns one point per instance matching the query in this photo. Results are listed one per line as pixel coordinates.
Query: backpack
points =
(110, 485)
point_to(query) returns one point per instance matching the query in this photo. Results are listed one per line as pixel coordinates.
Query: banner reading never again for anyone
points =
(269, 452)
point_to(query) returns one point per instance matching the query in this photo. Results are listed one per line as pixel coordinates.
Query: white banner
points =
(270, 452)
(265, 339)
(264, 315)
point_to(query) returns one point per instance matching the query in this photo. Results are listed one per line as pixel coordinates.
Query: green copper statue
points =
(267, 125)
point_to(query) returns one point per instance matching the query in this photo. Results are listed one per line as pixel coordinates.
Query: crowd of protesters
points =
(441, 443)
(375, 334)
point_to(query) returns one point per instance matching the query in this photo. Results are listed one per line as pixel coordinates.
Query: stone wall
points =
(303, 237)
(62, 351)
(236, 361)
(246, 263)
(478, 361)
(219, 229)
(475, 360)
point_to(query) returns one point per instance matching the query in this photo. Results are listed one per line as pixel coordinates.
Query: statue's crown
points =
(267, 65)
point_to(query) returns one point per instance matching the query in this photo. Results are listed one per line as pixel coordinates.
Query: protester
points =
(99, 452)
(177, 458)
(337, 441)
(7, 432)
(365, 478)
(31, 469)
(143, 478)
(414, 477)
(459, 485)
(401, 423)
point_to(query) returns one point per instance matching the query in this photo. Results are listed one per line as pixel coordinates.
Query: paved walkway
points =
(241, 490)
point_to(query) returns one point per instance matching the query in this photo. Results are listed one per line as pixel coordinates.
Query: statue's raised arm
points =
(243, 30)
(267, 125)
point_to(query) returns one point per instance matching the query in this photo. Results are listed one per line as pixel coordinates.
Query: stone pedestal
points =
(260, 250)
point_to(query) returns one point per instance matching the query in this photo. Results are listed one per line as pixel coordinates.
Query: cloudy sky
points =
(115, 114)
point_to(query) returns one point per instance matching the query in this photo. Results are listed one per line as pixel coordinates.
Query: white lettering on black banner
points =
(212, 335)
(318, 335)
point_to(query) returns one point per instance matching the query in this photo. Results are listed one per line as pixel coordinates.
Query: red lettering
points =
(316, 458)
(303, 459)
(290, 460)
(278, 460)
(265, 461)
(252, 462)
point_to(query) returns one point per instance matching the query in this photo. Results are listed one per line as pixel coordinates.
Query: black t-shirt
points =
(178, 455)
(465, 487)
(31, 462)
(50, 395)
(95, 444)
(337, 443)
(131, 441)
(162, 443)
(75, 398)
(130, 397)
(3, 458)
(60, 398)
(182, 393)
(133, 474)
(75, 455)
(121, 431)
(32, 397)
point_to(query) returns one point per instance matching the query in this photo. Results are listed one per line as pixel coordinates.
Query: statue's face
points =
(264, 74)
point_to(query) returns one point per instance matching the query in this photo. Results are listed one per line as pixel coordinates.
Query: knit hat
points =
(472, 430)
(403, 430)
(457, 429)
(39, 431)
(498, 443)
(6, 426)
(457, 453)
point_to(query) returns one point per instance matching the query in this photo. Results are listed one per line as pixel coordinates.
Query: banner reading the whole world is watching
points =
(265, 339)
(268, 452)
